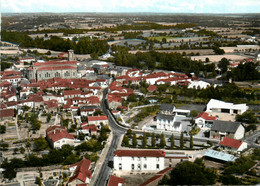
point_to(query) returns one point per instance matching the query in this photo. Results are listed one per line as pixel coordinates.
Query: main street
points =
(118, 131)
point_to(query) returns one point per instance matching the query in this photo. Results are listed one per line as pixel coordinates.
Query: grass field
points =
(159, 38)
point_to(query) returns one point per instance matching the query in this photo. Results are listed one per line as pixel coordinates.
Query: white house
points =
(97, 120)
(139, 160)
(198, 84)
(218, 106)
(205, 120)
(58, 136)
(168, 123)
(233, 144)
(81, 173)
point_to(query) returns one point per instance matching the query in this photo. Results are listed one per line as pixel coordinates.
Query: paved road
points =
(118, 131)
(105, 171)
(250, 139)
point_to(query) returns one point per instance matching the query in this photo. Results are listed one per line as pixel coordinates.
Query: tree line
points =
(83, 46)
(166, 61)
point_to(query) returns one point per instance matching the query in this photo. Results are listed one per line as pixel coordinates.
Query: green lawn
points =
(159, 38)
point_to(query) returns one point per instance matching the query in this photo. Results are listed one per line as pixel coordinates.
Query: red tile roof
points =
(54, 127)
(2, 106)
(56, 133)
(56, 68)
(114, 181)
(206, 116)
(92, 128)
(97, 118)
(152, 88)
(229, 142)
(11, 77)
(152, 179)
(5, 84)
(71, 92)
(156, 177)
(57, 62)
(61, 55)
(140, 153)
(82, 171)
(6, 113)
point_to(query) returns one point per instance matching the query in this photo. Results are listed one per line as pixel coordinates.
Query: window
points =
(139, 167)
(47, 74)
(120, 166)
(67, 74)
(145, 158)
(57, 74)
(145, 166)
(157, 166)
(133, 166)
(133, 158)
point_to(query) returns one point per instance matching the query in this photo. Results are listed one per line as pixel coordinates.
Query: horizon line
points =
(132, 12)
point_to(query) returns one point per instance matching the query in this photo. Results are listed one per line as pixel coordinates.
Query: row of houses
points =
(57, 136)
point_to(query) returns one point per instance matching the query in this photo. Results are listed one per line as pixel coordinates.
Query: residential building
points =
(229, 129)
(82, 173)
(115, 181)
(233, 145)
(139, 160)
(58, 136)
(6, 114)
(168, 123)
(166, 108)
(198, 84)
(218, 106)
(205, 120)
(98, 120)
(88, 130)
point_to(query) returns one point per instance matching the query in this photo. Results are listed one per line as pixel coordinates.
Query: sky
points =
(158, 6)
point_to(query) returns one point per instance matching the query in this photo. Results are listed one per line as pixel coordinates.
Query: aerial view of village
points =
(165, 96)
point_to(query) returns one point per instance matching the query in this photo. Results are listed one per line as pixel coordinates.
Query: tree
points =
(191, 141)
(132, 98)
(40, 144)
(162, 141)
(16, 150)
(188, 173)
(247, 117)
(125, 141)
(218, 51)
(207, 60)
(223, 65)
(182, 141)
(2, 129)
(153, 140)
(172, 141)
(144, 141)
(194, 113)
(134, 142)
(22, 150)
(252, 127)
(164, 40)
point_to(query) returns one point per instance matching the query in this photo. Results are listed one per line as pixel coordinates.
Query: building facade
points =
(139, 160)
(52, 69)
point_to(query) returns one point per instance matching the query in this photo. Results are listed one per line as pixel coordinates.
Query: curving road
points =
(118, 131)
